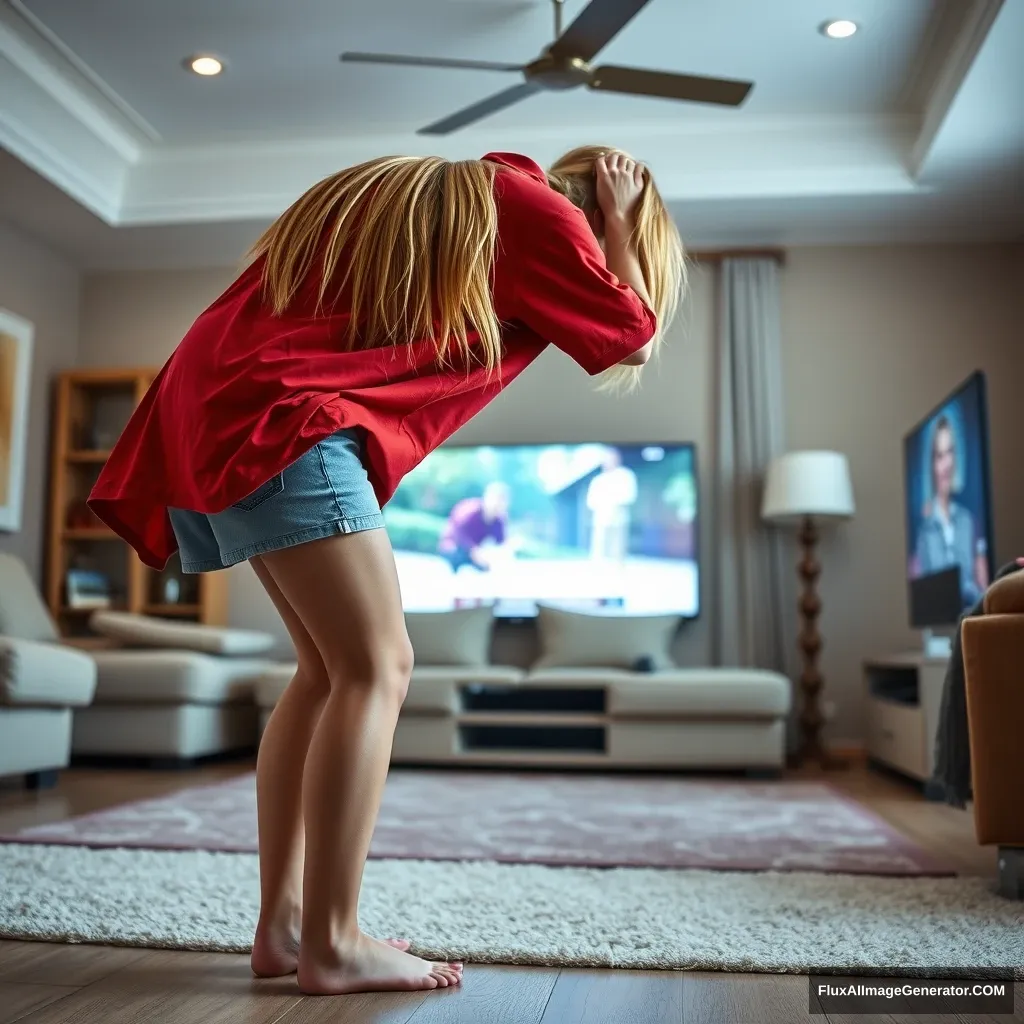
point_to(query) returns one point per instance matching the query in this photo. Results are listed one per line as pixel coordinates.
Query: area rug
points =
(553, 819)
(481, 911)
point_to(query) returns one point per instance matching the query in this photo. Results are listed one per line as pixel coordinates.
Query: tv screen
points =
(948, 507)
(591, 527)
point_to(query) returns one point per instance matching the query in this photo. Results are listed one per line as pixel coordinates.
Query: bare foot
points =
(368, 965)
(277, 955)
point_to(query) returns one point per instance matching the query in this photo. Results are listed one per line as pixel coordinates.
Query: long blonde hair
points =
(659, 248)
(414, 240)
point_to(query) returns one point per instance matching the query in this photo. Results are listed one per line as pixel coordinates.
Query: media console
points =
(587, 718)
(903, 700)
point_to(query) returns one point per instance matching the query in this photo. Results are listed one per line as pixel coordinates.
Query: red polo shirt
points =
(246, 392)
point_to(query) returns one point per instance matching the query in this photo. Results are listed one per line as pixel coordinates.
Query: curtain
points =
(750, 603)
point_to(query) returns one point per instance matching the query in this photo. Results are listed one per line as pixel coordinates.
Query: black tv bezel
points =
(692, 445)
(979, 377)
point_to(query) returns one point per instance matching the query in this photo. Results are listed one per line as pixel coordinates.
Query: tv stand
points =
(904, 694)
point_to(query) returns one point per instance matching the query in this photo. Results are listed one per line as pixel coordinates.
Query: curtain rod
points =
(717, 255)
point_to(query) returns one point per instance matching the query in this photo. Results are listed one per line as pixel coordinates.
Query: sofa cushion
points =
(712, 693)
(174, 677)
(144, 631)
(611, 641)
(22, 612)
(272, 682)
(458, 637)
(44, 675)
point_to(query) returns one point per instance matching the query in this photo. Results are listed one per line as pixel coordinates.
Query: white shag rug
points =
(783, 922)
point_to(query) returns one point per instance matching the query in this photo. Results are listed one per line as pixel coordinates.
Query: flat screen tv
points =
(590, 527)
(948, 507)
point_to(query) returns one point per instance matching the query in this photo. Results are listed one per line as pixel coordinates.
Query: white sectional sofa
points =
(41, 682)
(176, 692)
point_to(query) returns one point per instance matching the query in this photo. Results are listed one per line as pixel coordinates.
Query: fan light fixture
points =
(566, 64)
(205, 65)
(839, 29)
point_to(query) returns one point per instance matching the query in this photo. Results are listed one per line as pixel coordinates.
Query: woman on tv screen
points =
(948, 535)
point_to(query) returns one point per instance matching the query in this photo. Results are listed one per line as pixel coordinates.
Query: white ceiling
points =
(908, 131)
(285, 79)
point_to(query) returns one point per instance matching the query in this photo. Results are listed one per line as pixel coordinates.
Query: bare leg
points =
(279, 768)
(344, 591)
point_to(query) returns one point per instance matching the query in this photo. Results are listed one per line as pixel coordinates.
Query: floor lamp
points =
(804, 490)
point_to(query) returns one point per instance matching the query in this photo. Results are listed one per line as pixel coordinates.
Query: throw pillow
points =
(459, 637)
(572, 639)
(142, 631)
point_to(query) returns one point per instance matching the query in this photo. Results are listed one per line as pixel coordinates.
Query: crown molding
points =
(777, 158)
(124, 116)
(974, 28)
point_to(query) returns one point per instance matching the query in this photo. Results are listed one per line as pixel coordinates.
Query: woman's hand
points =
(620, 182)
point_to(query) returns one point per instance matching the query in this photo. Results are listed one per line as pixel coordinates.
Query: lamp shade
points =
(801, 484)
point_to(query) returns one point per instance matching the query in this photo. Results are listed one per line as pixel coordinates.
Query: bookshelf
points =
(86, 562)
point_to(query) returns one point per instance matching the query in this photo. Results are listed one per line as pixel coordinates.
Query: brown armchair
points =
(993, 649)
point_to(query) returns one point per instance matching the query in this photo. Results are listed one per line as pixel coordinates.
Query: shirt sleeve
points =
(566, 294)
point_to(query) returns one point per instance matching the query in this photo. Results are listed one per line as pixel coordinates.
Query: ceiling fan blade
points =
(595, 27)
(478, 111)
(426, 62)
(692, 88)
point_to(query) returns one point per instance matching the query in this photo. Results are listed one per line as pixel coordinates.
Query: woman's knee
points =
(385, 665)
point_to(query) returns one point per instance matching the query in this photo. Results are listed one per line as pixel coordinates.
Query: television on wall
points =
(948, 507)
(605, 528)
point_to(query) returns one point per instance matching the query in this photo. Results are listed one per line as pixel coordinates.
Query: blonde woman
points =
(381, 311)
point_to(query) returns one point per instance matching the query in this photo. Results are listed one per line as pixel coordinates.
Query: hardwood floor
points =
(43, 983)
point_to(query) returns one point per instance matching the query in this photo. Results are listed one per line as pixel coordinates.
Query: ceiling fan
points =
(565, 64)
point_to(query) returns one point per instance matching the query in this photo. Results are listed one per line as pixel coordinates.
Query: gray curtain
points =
(751, 596)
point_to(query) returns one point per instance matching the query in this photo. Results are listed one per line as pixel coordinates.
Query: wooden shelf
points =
(87, 455)
(90, 407)
(172, 610)
(67, 610)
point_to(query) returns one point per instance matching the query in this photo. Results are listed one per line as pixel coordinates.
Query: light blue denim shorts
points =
(326, 491)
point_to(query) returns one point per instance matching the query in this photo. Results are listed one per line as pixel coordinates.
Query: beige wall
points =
(872, 339)
(42, 287)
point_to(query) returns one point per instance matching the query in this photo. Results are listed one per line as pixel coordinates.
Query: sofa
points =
(604, 693)
(41, 683)
(173, 692)
(165, 692)
(993, 651)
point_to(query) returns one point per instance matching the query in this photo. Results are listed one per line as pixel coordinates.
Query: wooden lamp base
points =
(811, 718)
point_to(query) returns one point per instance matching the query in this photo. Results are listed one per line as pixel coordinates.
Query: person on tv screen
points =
(477, 529)
(610, 499)
(948, 535)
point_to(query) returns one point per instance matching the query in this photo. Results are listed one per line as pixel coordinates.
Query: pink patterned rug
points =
(579, 820)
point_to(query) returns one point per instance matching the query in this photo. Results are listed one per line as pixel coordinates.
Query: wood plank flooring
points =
(43, 983)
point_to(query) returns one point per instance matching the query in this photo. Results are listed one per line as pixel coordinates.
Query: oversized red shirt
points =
(246, 392)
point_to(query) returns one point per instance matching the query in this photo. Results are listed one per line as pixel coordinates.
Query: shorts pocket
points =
(275, 485)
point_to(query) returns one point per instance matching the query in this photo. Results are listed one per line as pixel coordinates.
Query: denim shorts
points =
(326, 491)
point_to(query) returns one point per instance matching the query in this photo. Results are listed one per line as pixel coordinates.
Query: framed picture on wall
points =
(15, 375)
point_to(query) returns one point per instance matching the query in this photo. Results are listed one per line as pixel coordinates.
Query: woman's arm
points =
(620, 183)
(622, 262)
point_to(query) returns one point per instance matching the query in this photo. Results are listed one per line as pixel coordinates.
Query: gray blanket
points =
(951, 780)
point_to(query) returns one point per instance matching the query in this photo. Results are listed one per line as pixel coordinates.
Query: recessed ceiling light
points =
(205, 65)
(839, 29)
